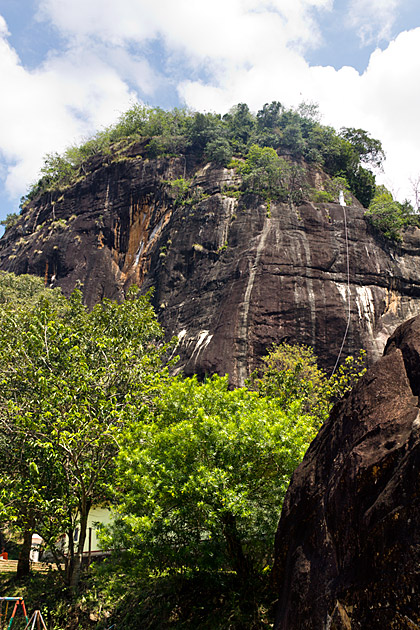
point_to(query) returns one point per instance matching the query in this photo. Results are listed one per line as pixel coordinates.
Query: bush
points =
(10, 220)
(389, 216)
(291, 373)
(264, 173)
(212, 505)
(219, 151)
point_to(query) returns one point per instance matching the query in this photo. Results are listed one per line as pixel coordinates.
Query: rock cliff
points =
(230, 277)
(348, 542)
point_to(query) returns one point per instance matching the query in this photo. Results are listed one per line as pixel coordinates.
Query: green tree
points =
(362, 185)
(390, 216)
(337, 184)
(201, 129)
(26, 292)
(368, 149)
(241, 124)
(10, 220)
(264, 172)
(202, 479)
(70, 381)
(57, 169)
(219, 151)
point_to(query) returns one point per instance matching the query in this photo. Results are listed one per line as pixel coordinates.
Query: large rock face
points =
(229, 278)
(348, 542)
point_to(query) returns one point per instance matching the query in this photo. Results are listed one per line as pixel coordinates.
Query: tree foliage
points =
(195, 473)
(290, 372)
(70, 380)
(10, 220)
(264, 172)
(203, 476)
(389, 216)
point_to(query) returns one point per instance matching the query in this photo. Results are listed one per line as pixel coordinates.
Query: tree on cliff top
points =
(390, 216)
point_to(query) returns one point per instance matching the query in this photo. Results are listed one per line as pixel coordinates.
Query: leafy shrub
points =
(213, 504)
(322, 196)
(10, 220)
(335, 186)
(219, 151)
(264, 172)
(389, 216)
(290, 372)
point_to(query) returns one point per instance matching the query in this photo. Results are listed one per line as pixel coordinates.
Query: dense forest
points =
(195, 474)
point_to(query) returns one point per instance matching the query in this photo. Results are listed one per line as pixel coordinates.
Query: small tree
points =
(369, 149)
(415, 188)
(290, 373)
(201, 480)
(264, 173)
(10, 220)
(219, 151)
(390, 216)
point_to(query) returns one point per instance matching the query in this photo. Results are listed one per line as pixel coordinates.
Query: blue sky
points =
(70, 67)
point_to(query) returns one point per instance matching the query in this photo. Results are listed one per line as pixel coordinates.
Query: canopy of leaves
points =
(264, 172)
(10, 220)
(196, 473)
(26, 292)
(291, 373)
(202, 478)
(389, 216)
(70, 380)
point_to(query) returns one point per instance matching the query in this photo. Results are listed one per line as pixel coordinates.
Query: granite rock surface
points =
(230, 276)
(348, 542)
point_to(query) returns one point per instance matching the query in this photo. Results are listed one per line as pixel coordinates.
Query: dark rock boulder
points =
(348, 542)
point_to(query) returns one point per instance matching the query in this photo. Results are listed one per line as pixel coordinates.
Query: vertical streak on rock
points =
(107, 204)
(243, 327)
(306, 264)
(230, 205)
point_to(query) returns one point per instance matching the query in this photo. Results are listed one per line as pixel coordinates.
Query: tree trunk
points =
(234, 547)
(24, 562)
(2, 540)
(76, 565)
(69, 562)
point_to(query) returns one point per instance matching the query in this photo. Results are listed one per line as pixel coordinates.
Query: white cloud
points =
(87, 84)
(373, 19)
(232, 30)
(390, 103)
(70, 95)
(4, 31)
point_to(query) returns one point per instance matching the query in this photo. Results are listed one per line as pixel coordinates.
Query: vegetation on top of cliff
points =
(390, 216)
(296, 133)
